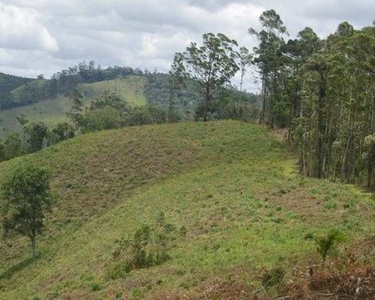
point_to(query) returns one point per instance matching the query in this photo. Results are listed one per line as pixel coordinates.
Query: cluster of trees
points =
(7, 84)
(109, 111)
(63, 82)
(323, 92)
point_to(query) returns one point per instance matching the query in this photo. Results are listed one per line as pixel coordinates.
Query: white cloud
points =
(45, 36)
(20, 28)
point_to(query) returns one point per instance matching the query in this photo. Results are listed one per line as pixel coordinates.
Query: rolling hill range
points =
(234, 205)
(53, 110)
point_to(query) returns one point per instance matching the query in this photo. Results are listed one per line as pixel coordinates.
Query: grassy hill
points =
(232, 185)
(52, 111)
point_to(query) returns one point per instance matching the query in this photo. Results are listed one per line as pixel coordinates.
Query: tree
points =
(212, 65)
(35, 134)
(176, 81)
(245, 60)
(13, 146)
(74, 114)
(26, 197)
(270, 62)
(61, 132)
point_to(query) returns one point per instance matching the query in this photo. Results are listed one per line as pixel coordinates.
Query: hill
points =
(53, 110)
(8, 83)
(232, 186)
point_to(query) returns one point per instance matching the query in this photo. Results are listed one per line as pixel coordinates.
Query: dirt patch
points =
(215, 290)
(299, 201)
(356, 283)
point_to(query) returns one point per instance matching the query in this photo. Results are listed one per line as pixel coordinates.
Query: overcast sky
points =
(45, 36)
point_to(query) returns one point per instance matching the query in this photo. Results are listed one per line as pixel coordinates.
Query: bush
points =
(95, 287)
(273, 278)
(325, 244)
(149, 246)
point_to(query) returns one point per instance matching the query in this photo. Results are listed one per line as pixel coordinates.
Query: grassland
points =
(233, 185)
(53, 111)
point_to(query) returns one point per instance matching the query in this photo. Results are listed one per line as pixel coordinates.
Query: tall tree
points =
(26, 198)
(212, 65)
(176, 82)
(269, 60)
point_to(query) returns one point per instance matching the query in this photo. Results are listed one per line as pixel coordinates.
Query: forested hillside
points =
(8, 83)
(323, 92)
(52, 111)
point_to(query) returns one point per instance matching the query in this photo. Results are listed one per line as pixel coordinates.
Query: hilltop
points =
(53, 110)
(232, 186)
(49, 100)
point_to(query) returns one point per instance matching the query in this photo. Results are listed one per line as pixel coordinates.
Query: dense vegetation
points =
(8, 83)
(322, 91)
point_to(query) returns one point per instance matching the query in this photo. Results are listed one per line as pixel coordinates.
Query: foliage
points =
(325, 244)
(35, 136)
(273, 277)
(17, 91)
(211, 65)
(26, 199)
(214, 178)
(7, 84)
(149, 246)
(322, 91)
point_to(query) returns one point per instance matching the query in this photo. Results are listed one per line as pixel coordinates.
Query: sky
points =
(45, 36)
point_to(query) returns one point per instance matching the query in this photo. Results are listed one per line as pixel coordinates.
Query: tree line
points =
(322, 91)
(62, 82)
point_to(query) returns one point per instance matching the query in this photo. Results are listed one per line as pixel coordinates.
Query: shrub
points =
(325, 244)
(95, 287)
(273, 278)
(147, 247)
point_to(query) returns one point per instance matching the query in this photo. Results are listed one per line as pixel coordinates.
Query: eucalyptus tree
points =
(269, 60)
(176, 82)
(211, 65)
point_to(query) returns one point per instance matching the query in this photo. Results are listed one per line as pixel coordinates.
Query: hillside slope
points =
(8, 83)
(53, 110)
(230, 184)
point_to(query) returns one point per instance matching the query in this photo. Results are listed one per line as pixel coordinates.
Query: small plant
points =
(325, 244)
(273, 278)
(95, 287)
(146, 248)
(183, 231)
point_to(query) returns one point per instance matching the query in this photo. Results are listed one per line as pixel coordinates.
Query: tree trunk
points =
(207, 103)
(33, 245)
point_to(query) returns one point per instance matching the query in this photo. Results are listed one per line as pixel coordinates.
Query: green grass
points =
(53, 111)
(231, 184)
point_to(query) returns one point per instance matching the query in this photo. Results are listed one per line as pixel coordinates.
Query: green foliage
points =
(35, 136)
(99, 119)
(8, 83)
(273, 278)
(25, 200)
(95, 287)
(149, 246)
(191, 171)
(325, 244)
(13, 146)
(211, 65)
(61, 132)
